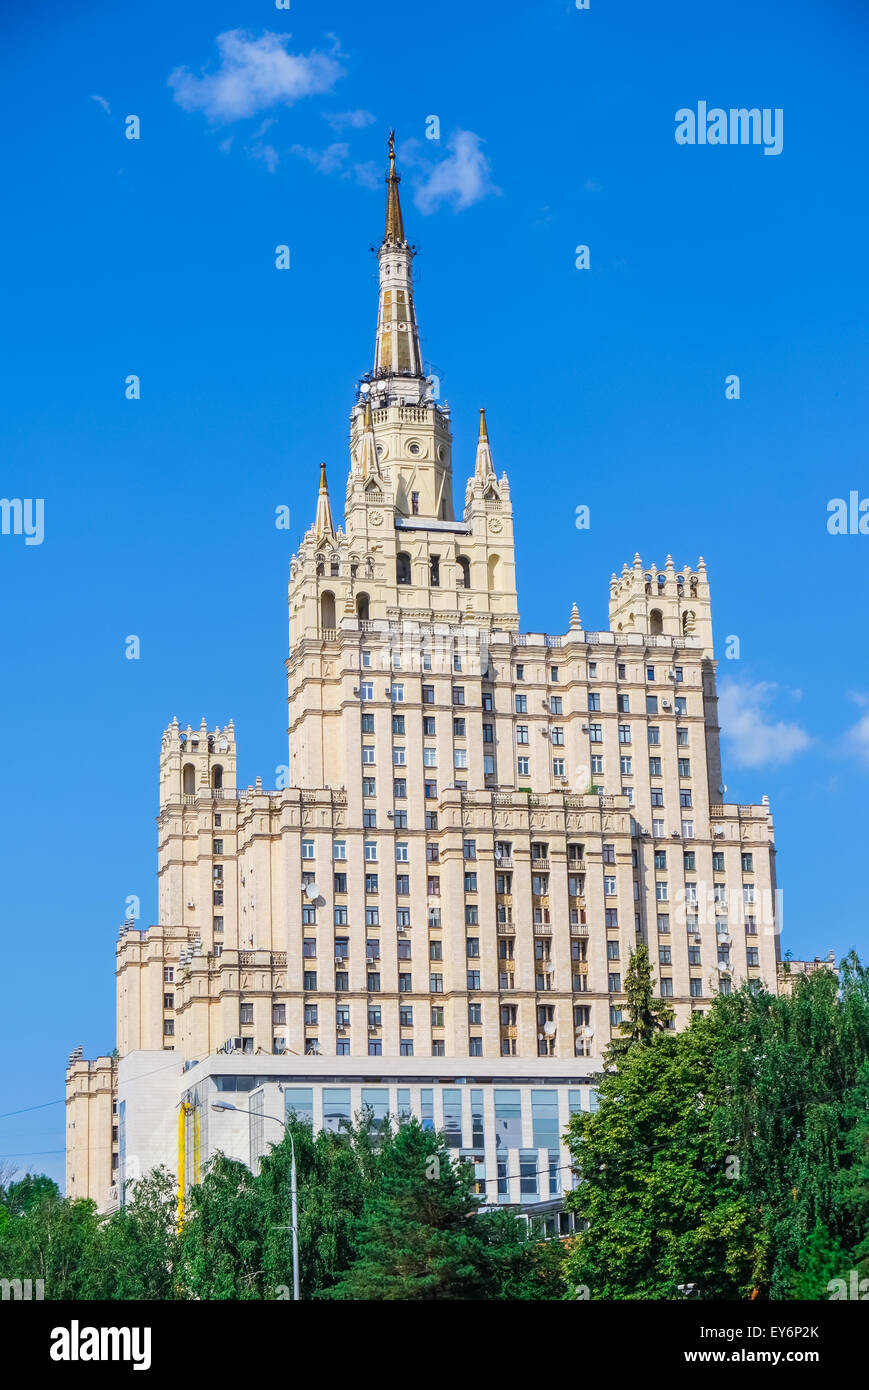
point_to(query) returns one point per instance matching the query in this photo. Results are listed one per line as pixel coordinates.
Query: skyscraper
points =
(436, 912)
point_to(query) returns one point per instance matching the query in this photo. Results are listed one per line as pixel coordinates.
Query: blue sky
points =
(603, 386)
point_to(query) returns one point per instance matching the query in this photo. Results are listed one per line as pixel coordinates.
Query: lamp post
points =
(294, 1211)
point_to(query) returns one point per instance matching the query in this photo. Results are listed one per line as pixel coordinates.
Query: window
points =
(372, 916)
(473, 946)
(609, 854)
(436, 986)
(609, 885)
(469, 849)
(473, 978)
(168, 1027)
(307, 849)
(687, 830)
(366, 690)
(369, 850)
(661, 890)
(614, 982)
(752, 955)
(664, 955)
(434, 565)
(611, 916)
(475, 1013)
(404, 979)
(558, 767)
(488, 700)
(520, 672)
(435, 950)
(624, 733)
(677, 673)
(402, 921)
(666, 987)
(694, 955)
(626, 766)
(663, 923)
(428, 695)
(470, 883)
(373, 982)
(430, 790)
(521, 704)
(748, 863)
(557, 735)
(402, 885)
(458, 694)
(437, 1016)
(685, 798)
(342, 947)
(553, 673)
(654, 735)
(399, 788)
(169, 999)
(688, 860)
(612, 950)
(695, 987)
(169, 974)
(556, 704)
(340, 915)
(658, 799)
(658, 829)
(592, 670)
(217, 846)
(681, 704)
(218, 924)
(309, 979)
(369, 786)
(396, 694)
(459, 726)
(593, 700)
(597, 763)
(460, 757)
(654, 767)
(718, 861)
(684, 767)
(595, 733)
(522, 766)
(660, 859)
(311, 1013)
(521, 733)
(429, 757)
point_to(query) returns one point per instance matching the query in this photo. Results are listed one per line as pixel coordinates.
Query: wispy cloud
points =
(254, 74)
(755, 739)
(103, 103)
(329, 161)
(267, 154)
(349, 120)
(857, 737)
(335, 159)
(460, 179)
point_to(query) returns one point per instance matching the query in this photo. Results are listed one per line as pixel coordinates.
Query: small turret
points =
(194, 762)
(665, 602)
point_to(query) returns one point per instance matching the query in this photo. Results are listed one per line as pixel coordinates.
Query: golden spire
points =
(394, 224)
(323, 520)
(484, 469)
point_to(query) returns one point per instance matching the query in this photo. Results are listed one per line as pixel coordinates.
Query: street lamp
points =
(294, 1213)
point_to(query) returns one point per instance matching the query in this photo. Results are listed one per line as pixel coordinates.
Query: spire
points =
(369, 462)
(397, 351)
(484, 469)
(323, 520)
(394, 225)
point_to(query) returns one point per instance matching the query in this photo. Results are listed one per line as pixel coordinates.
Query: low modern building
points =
(435, 909)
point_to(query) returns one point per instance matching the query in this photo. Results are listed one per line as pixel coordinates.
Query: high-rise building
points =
(435, 913)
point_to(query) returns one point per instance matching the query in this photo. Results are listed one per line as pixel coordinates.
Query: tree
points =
(643, 1014)
(656, 1192)
(138, 1243)
(417, 1238)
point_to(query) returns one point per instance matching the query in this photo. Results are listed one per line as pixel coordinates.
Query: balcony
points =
(539, 865)
(506, 929)
(542, 928)
(579, 929)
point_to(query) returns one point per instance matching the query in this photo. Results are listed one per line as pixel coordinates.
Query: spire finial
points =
(323, 520)
(394, 224)
(484, 470)
(484, 433)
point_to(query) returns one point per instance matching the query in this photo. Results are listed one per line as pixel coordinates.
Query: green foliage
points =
(643, 1015)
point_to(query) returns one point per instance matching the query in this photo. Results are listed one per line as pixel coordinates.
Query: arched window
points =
(217, 777)
(333, 567)
(656, 622)
(463, 579)
(693, 586)
(320, 566)
(434, 566)
(327, 610)
(362, 607)
(402, 568)
(188, 779)
(493, 571)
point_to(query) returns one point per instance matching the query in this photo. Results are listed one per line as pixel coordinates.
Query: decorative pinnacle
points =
(323, 520)
(484, 433)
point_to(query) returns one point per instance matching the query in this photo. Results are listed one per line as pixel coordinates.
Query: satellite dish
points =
(547, 967)
(549, 1028)
(588, 1032)
(723, 788)
(311, 890)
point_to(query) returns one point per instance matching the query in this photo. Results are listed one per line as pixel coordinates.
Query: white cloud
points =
(268, 154)
(103, 103)
(328, 161)
(369, 174)
(352, 120)
(461, 178)
(254, 74)
(754, 739)
(857, 737)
